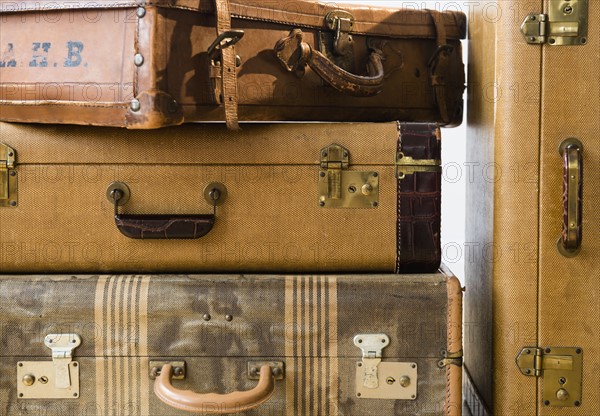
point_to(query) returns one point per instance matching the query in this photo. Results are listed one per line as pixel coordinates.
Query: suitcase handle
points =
(569, 243)
(164, 226)
(295, 54)
(213, 403)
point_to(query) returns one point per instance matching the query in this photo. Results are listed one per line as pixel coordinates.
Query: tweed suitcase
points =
(271, 198)
(144, 65)
(289, 345)
(533, 142)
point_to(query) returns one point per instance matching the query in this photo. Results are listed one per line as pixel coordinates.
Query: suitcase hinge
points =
(566, 24)
(382, 380)
(561, 371)
(406, 165)
(341, 188)
(8, 177)
(56, 379)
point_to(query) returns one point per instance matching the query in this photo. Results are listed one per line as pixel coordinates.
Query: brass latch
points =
(406, 165)
(561, 372)
(8, 177)
(342, 188)
(56, 379)
(565, 24)
(337, 42)
(382, 380)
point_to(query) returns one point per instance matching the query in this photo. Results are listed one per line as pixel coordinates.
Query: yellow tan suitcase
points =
(532, 313)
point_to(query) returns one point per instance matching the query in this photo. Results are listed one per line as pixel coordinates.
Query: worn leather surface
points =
(419, 204)
(572, 239)
(308, 322)
(92, 80)
(164, 227)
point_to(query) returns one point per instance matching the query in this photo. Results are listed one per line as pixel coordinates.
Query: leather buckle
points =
(225, 40)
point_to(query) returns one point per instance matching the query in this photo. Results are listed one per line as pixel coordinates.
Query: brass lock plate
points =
(357, 190)
(397, 381)
(560, 369)
(566, 24)
(37, 380)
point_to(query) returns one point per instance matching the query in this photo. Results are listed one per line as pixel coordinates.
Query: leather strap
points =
(419, 202)
(439, 65)
(228, 74)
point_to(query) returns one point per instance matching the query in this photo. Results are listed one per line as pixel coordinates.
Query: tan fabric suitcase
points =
(218, 331)
(523, 293)
(287, 197)
(145, 65)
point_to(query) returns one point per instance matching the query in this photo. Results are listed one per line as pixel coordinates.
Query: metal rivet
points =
(238, 61)
(577, 403)
(74, 394)
(366, 190)
(405, 381)
(583, 40)
(141, 12)
(546, 402)
(28, 379)
(135, 105)
(552, 41)
(324, 154)
(533, 17)
(413, 366)
(13, 203)
(20, 364)
(20, 394)
(229, 318)
(206, 317)
(528, 371)
(578, 350)
(532, 39)
(390, 380)
(345, 154)
(527, 351)
(322, 174)
(375, 174)
(254, 371)
(138, 59)
(178, 371)
(547, 350)
(277, 371)
(173, 106)
(74, 364)
(360, 364)
(321, 203)
(358, 394)
(375, 204)
(10, 154)
(413, 396)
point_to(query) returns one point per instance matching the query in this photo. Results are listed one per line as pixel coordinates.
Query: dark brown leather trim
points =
(152, 227)
(419, 202)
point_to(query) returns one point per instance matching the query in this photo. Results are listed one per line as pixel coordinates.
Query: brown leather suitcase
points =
(148, 65)
(287, 197)
(286, 345)
(532, 319)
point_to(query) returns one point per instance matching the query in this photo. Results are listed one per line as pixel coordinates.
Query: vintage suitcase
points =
(533, 140)
(287, 197)
(320, 345)
(145, 65)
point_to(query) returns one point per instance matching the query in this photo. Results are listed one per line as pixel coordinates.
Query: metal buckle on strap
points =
(225, 40)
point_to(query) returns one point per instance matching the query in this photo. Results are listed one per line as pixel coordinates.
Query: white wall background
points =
(453, 153)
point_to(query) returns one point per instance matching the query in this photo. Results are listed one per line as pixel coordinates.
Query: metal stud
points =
(141, 12)
(229, 318)
(135, 105)
(138, 59)
(206, 317)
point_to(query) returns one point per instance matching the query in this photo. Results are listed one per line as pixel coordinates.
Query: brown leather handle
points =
(214, 403)
(153, 227)
(570, 242)
(164, 226)
(294, 54)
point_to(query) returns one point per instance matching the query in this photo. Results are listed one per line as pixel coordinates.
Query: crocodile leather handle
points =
(570, 241)
(165, 226)
(294, 54)
(214, 403)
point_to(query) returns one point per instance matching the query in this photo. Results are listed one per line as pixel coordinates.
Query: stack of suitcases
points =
(156, 266)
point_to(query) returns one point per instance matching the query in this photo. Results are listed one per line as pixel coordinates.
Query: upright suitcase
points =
(532, 305)
(290, 345)
(145, 65)
(271, 198)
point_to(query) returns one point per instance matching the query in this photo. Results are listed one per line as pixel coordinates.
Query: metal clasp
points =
(566, 24)
(8, 177)
(406, 165)
(225, 40)
(372, 346)
(62, 346)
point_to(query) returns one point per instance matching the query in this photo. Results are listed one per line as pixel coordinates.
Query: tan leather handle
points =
(214, 403)
(294, 54)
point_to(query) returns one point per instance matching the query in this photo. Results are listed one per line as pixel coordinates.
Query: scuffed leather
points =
(165, 227)
(214, 403)
(419, 202)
